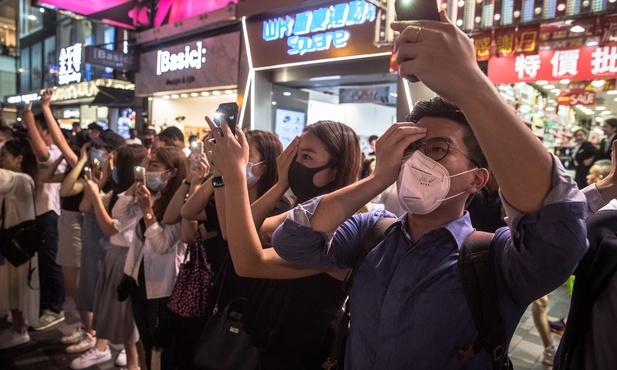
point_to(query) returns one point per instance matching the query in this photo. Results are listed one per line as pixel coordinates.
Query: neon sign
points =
(166, 61)
(320, 29)
(70, 65)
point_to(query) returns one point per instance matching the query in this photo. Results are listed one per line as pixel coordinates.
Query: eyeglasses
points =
(436, 149)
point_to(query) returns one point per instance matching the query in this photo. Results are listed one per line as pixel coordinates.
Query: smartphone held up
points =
(416, 10)
(139, 173)
(228, 112)
(197, 149)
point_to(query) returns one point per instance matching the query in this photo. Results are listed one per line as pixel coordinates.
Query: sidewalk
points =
(44, 352)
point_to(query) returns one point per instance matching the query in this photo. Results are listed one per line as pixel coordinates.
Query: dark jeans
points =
(154, 322)
(50, 273)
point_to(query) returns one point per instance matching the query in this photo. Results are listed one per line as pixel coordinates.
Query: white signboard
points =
(189, 58)
(70, 65)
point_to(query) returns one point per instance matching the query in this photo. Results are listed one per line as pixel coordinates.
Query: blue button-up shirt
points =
(408, 308)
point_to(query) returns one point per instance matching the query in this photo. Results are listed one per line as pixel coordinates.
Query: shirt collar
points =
(459, 229)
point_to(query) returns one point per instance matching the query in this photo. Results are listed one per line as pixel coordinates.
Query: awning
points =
(111, 97)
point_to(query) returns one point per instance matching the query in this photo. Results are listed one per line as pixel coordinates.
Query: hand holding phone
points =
(140, 175)
(416, 10)
(228, 111)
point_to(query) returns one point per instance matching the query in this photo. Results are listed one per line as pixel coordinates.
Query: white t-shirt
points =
(48, 199)
(130, 141)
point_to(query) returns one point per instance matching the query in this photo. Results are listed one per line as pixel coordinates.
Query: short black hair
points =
(441, 108)
(372, 138)
(40, 118)
(96, 127)
(173, 133)
(611, 121)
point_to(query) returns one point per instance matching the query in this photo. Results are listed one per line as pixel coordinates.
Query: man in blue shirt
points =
(408, 309)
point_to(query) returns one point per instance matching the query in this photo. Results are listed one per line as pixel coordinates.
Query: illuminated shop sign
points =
(19, 99)
(70, 65)
(584, 63)
(189, 58)
(320, 29)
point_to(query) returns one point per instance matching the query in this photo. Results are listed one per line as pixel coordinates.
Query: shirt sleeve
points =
(164, 238)
(296, 242)
(594, 200)
(537, 252)
(126, 213)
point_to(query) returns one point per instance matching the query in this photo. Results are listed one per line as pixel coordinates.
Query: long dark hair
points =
(127, 157)
(343, 145)
(172, 158)
(269, 146)
(29, 166)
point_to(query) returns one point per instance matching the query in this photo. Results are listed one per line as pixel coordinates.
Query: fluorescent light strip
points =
(250, 86)
(389, 53)
(408, 94)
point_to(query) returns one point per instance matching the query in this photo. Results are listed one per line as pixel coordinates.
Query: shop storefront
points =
(559, 77)
(315, 62)
(186, 81)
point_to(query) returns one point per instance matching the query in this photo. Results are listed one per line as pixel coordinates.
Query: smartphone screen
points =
(197, 149)
(228, 111)
(140, 174)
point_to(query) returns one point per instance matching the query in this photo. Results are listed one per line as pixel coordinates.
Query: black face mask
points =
(301, 181)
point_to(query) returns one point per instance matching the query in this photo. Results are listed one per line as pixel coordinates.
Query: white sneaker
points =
(74, 337)
(92, 357)
(548, 357)
(48, 319)
(10, 338)
(87, 341)
(121, 359)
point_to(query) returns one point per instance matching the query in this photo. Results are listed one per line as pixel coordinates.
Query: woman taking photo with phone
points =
(113, 320)
(156, 253)
(293, 329)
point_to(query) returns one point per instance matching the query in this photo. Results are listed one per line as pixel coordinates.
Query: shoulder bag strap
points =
(372, 238)
(478, 277)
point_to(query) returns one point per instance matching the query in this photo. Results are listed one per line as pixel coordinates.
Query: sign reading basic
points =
(209, 62)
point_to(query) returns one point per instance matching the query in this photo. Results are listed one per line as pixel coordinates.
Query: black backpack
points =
(480, 286)
(593, 273)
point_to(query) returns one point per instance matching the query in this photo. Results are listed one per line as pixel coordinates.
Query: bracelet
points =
(217, 182)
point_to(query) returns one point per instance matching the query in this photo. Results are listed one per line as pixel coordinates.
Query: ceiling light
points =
(165, 97)
(497, 17)
(175, 96)
(32, 17)
(324, 78)
(548, 87)
(394, 94)
(541, 82)
(459, 22)
(273, 103)
(599, 119)
(42, 10)
(461, 4)
(517, 13)
(605, 113)
(216, 92)
(585, 3)
(228, 92)
(600, 107)
(184, 95)
(611, 92)
(598, 83)
(565, 81)
(205, 93)
(577, 29)
(287, 93)
(538, 10)
(592, 43)
(150, 98)
(550, 109)
(556, 91)
(561, 7)
(194, 94)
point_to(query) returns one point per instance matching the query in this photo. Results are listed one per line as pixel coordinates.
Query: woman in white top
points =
(18, 294)
(113, 320)
(156, 253)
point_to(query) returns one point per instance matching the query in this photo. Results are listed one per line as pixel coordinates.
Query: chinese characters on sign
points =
(70, 65)
(320, 29)
(581, 63)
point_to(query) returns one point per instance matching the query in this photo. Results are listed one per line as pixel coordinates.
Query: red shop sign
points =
(585, 63)
(577, 97)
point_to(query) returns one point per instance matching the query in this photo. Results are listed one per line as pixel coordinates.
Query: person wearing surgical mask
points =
(156, 252)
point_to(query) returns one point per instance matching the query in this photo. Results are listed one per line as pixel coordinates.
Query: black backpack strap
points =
(480, 285)
(372, 238)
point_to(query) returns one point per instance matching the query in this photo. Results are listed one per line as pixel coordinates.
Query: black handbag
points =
(19, 243)
(224, 345)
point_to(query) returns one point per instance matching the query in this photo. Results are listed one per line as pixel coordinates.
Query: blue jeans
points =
(50, 273)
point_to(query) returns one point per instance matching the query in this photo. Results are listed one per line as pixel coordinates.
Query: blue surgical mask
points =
(252, 179)
(114, 175)
(97, 154)
(154, 182)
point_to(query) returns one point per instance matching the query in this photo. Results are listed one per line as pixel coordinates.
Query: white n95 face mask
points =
(423, 184)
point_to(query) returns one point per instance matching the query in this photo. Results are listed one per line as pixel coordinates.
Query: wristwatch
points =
(148, 216)
(217, 182)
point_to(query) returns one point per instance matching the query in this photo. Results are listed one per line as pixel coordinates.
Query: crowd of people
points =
(282, 228)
